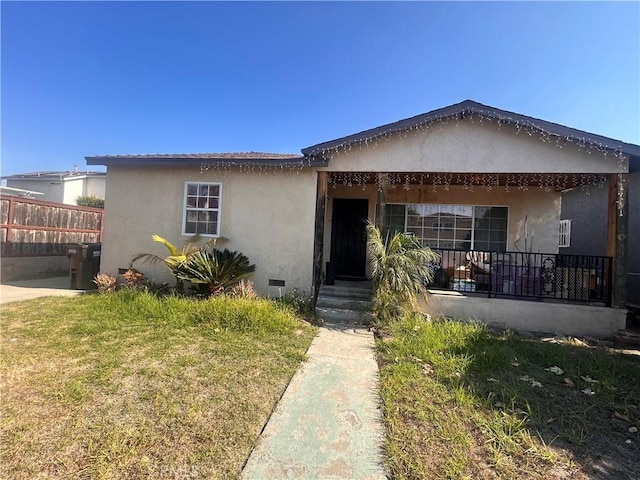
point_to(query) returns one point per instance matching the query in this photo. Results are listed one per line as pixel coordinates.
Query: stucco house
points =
(60, 186)
(480, 185)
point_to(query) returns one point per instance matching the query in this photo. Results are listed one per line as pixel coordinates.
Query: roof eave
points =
(294, 162)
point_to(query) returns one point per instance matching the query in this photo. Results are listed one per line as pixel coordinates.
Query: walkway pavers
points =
(328, 424)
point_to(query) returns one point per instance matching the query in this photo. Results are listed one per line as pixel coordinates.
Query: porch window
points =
(202, 209)
(462, 227)
(565, 233)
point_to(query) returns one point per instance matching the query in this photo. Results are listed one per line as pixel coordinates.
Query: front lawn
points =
(461, 403)
(127, 385)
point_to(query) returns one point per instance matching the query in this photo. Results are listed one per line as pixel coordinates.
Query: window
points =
(202, 209)
(462, 227)
(565, 233)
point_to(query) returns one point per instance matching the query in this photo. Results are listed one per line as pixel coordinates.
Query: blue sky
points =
(91, 78)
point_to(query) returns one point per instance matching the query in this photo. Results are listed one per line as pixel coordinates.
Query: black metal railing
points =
(542, 276)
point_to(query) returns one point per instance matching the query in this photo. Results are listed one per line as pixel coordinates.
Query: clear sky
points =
(93, 78)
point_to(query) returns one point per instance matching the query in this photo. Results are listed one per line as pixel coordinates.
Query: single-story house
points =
(60, 186)
(480, 185)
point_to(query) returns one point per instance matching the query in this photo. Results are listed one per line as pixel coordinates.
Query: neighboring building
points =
(19, 192)
(480, 185)
(60, 187)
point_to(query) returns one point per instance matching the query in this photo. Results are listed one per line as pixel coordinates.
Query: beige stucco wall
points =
(269, 218)
(541, 208)
(472, 147)
(522, 315)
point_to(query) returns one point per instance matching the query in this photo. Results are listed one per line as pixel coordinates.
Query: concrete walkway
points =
(28, 289)
(328, 424)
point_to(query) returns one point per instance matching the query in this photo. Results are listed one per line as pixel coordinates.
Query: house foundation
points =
(524, 315)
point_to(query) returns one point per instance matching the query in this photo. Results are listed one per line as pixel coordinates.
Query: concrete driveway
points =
(28, 289)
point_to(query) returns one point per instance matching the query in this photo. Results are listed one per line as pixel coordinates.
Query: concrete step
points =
(346, 303)
(342, 315)
(357, 293)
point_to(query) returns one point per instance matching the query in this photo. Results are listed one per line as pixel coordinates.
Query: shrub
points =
(134, 279)
(156, 288)
(216, 272)
(106, 283)
(244, 289)
(90, 201)
(399, 267)
(177, 256)
(299, 301)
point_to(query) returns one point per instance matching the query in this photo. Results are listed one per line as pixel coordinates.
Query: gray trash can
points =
(84, 265)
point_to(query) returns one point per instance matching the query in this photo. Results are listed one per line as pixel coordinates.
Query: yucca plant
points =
(400, 271)
(177, 256)
(216, 272)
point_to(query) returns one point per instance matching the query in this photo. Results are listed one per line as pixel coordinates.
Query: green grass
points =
(458, 404)
(131, 386)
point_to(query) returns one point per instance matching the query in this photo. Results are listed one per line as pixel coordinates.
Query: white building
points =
(60, 187)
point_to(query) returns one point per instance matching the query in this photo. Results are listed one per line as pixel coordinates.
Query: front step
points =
(343, 315)
(357, 293)
(344, 304)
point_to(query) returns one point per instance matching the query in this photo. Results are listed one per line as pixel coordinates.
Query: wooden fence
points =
(36, 228)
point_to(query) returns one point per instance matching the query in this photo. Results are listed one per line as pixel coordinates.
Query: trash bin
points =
(84, 265)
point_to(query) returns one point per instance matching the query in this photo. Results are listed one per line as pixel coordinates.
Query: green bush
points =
(90, 201)
(177, 256)
(216, 272)
(399, 267)
(299, 301)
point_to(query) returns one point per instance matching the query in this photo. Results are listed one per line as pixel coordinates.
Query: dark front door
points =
(349, 237)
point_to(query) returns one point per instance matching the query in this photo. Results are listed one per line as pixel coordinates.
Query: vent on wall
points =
(276, 283)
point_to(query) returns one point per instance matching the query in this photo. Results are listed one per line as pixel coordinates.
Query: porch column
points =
(381, 204)
(318, 240)
(617, 219)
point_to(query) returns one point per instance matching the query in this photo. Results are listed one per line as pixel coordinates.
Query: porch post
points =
(617, 219)
(318, 240)
(381, 210)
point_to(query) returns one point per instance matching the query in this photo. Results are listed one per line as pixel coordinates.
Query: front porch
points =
(549, 277)
(481, 225)
(473, 178)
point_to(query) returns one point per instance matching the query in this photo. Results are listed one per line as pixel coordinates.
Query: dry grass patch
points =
(461, 403)
(132, 386)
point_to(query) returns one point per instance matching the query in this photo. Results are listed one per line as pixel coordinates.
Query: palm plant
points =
(216, 272)
(177, 256)
(400, 271)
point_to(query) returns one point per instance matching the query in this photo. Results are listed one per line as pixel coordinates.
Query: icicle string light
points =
(487, 181)
(482, 118)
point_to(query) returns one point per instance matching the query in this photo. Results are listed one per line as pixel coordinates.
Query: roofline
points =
(18, 191)
(468, 108)
(173, 161)
(52, 175)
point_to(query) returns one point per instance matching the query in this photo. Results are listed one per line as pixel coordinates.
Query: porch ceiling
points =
(557, 182)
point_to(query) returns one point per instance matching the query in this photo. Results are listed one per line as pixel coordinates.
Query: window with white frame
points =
(202, 209)
(565, 233)
(463, 227)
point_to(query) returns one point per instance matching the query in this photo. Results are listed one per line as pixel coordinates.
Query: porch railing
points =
(543, 276)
